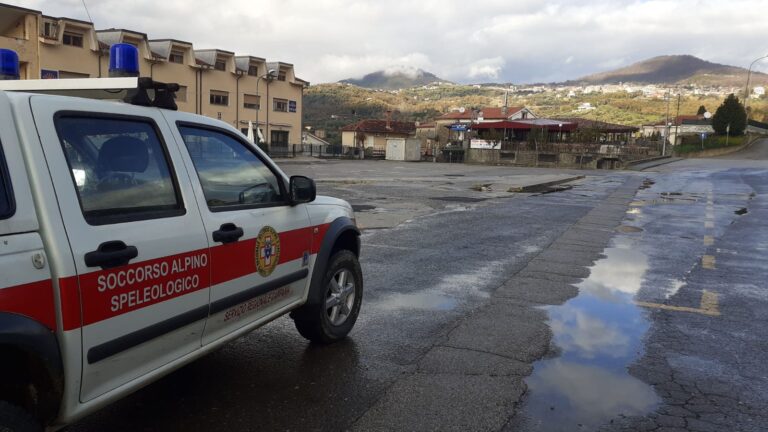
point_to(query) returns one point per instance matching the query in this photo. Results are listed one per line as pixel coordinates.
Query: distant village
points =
(516, 135)
(659, 91)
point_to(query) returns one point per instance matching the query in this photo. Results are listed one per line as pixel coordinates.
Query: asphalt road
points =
(633, 301)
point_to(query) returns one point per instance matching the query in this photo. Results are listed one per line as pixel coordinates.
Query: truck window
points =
(230, 173)
(7, 207)
(120, 169)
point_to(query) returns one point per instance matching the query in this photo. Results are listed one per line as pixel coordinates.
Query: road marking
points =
(708, 262)
(709, 305)
(709, 240)
(709, 224)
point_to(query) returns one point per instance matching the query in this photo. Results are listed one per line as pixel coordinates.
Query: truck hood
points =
(326, 200)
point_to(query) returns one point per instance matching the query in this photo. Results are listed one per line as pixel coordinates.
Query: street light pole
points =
(269, 76)
(746, 89)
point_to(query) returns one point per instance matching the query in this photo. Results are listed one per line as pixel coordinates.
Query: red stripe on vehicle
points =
(113, 292)
(235, 260)
(69, 295)
(33, 300)
(109, 293)
(318, 236)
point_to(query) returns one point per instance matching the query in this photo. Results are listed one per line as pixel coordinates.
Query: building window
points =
(251, 101)
(50, 30)
(176, 57)
(219, 98)
(281, 76)
(280, 105)
(253, 70)
(181, 94)
(279, 138)
(72, 39)
(220, 65)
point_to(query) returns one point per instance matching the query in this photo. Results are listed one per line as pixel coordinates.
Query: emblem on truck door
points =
(267, 251)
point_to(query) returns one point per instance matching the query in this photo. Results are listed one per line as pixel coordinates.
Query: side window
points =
(120, 169)
(230, 172)
(7, 207)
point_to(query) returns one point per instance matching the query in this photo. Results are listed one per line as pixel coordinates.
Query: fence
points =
(312, 150)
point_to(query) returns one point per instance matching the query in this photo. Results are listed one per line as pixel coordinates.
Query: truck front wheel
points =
(343, 294)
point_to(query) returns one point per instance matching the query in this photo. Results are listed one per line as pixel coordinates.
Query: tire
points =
(15, 419)
(334, 319)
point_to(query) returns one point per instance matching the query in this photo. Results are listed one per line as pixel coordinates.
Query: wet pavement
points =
(633, 301)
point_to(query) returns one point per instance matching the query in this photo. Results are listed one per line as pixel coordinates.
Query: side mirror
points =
(302, 190)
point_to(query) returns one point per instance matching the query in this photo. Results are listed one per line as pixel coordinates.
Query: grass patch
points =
(713, 142)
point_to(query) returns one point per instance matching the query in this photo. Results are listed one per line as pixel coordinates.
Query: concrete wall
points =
(543, 160)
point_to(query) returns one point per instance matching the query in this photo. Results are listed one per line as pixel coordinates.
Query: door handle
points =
(111, 254)
(227, 233)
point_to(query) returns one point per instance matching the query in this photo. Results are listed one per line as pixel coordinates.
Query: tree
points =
(732, 113)
(701, 111)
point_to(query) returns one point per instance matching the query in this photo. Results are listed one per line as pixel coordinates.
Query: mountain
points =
(676, 69)
(394, 79)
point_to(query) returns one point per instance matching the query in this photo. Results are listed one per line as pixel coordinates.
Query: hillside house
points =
(451, 127)
(373, 134)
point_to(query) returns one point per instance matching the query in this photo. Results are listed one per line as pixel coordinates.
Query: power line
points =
(87, 13)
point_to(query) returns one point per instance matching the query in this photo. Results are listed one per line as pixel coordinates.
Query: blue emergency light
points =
(9, 64)
(123, 60)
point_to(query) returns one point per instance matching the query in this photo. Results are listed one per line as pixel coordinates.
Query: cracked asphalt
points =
(632, 301)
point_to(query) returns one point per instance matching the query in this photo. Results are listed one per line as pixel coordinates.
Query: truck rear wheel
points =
(343, 294)
(16, 419)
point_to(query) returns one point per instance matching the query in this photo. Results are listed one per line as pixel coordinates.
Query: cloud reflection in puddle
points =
(599, 334)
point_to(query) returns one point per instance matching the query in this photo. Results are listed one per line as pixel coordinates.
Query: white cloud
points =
(587, 335)
(517, 41)
(593, 393)
(486, 68)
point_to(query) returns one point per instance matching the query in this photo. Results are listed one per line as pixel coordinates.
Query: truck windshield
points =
(6, 197)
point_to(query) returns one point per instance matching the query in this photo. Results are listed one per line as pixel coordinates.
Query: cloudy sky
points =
(465, 41)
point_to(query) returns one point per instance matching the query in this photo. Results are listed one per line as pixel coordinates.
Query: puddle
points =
(460, 199)
(629, 229)
(598, 334)
(420, 301)
(362, 207)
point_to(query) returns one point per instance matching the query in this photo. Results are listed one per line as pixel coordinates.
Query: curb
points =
(667, 160)
(536, 187)
(629, 165)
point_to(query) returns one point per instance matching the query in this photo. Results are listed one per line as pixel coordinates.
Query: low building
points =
(213, 82)
(452, 126)
(373, 134)
(678, 127)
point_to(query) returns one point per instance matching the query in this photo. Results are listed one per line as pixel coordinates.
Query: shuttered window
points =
(251, 101)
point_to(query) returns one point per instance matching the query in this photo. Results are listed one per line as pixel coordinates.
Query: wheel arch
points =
(342, 234)
(31, 370)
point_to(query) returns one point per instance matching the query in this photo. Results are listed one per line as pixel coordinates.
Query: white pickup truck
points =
(135, 239)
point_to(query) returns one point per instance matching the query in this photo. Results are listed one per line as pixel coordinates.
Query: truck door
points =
(260, 246)
(135, 232)
(25, 278)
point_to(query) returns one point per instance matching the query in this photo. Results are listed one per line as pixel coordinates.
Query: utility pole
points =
(677, 117)
(666, 128)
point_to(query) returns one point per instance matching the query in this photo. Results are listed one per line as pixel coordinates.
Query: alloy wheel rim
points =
(340, 297)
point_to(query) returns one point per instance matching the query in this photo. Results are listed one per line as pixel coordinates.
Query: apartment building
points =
(237, 89)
